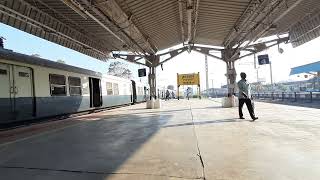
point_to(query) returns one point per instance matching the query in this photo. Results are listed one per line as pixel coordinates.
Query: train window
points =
(3, 71)
(115, 89)
(23, 74)
(109, 88)
(74, 86)
(57, 85)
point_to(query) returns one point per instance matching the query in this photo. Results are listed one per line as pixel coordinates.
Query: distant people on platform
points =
(245, 97)
(172, 95)
(167, 95)
(188, 93)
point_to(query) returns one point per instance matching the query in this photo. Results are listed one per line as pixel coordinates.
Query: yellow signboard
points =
(188, 79)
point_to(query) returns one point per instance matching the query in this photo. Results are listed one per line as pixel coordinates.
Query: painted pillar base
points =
(228, 102)
(153, 104)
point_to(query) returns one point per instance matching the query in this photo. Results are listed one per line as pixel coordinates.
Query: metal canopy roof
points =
(307, 68)
(98, 27)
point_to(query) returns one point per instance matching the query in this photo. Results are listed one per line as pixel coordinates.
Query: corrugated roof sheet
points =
(307, 68)
(157, 21)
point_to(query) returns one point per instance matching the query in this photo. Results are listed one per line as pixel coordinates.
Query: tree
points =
(36, 55)
(61, 61)
(282, 87)
(171, 87)
(119, 69)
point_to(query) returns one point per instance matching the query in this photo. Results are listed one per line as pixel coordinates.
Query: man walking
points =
(244, 97)
(167, 95)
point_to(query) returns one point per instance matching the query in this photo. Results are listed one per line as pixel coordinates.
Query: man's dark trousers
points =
(249, 106)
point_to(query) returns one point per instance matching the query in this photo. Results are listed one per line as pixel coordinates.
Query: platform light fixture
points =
(280, 50)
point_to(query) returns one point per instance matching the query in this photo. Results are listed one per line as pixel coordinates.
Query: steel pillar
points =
(231, 74)
(152, 63)
(231, 77)
(207, 75)
(152, 82)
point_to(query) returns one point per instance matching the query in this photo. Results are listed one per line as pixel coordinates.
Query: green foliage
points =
(119, 69)
(171, 87)
(35, 55)
(61, 61)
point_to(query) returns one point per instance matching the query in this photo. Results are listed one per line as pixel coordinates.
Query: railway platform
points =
(193, 139)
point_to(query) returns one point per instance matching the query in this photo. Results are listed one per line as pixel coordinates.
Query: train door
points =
(23, 92)
(95, 92)
(16, 93)
(134, 92)
(6, 91)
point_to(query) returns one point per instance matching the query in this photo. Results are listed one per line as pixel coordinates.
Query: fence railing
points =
(294, 96)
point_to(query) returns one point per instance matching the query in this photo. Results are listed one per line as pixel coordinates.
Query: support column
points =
(207, 74)
(231, 77)
(152, 63)
(152, 82)
(229, 56)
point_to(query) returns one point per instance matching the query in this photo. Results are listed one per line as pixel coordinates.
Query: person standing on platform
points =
(167, 95)
(188, 93)
(244, 97)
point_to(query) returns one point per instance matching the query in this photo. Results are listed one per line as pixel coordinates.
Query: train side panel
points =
(142, 92)
(49, 104)
(116, 91)
(33, 88)
(40, 102)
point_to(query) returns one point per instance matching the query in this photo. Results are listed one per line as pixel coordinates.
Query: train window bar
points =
(57, 85)
(74, 86)
(109, 88)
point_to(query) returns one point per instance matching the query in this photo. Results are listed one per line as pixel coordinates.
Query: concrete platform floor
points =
(138, 143)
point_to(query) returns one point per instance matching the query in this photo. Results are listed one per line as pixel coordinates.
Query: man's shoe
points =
(241, 118)
(255, 118)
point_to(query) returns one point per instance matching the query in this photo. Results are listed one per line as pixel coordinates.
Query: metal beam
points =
(180, 2)
(189, 20)
(206, 51)
(69, 37)
(173, 54)
(126, 25)
(254, 52)
(151, 60)
(76, 7)
(266, 29)
(179, 49)
(260, 27)
(277, 41)
(129, 58)
(125, 40)
(196, 13)
(98, 21)
(253, 9)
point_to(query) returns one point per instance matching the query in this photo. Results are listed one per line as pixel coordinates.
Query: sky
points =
(193, 62)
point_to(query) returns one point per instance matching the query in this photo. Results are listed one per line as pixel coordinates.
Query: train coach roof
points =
(22, 58)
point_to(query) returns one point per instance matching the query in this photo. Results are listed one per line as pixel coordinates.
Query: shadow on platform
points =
(205, 122)
(89, 150)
